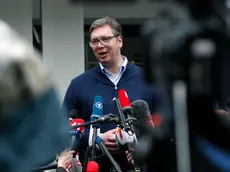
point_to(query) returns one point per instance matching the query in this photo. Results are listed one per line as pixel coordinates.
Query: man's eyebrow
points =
(94, 38)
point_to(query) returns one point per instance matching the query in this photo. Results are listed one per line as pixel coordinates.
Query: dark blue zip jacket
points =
(82, 90)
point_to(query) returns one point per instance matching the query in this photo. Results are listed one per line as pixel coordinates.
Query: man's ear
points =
(120, 41)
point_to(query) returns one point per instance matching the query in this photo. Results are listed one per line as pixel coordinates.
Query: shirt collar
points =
(123, 67)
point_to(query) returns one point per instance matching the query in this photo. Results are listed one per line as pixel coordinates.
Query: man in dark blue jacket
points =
(113, 73)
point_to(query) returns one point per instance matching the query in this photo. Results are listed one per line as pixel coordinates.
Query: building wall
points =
(63, 41)
(139, 10)
(62, 27)
(18, 14)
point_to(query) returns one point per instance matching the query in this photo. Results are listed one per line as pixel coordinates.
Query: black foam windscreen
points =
(74, 114)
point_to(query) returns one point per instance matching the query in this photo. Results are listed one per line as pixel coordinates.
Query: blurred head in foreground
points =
(33, 128)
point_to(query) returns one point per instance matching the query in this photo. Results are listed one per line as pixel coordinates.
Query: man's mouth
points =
(102, 53)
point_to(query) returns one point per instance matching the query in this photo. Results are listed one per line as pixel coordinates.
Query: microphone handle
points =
(74, 167)
(107, 153)
(131, 125)
(74, 143)
(130, 151)
(43, 168)
(88, 150)
(94, 142)
(121, 114)
(83, 125)
(99, 120)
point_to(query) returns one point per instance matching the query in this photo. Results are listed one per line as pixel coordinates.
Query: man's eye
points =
(105, 39)
(94, 41)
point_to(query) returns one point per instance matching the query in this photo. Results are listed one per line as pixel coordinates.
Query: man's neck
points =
(115, 68)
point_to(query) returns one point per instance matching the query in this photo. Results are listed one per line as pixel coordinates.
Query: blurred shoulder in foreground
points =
(33, 128)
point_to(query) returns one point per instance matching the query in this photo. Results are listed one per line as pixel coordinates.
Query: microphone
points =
(110, 118)
(104, 149)
(150, 135)
(92, 166)
(44, 168)
(97, 110)
(77, 133)
(125, 103)
(126, 136)
(96, 113)
(126, 107)
(123, 138)
(73, 114)
(143, 115)
(143, 127)
(75, 165)
(105, 119)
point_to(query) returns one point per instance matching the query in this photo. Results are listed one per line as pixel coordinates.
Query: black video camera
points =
(194, 50)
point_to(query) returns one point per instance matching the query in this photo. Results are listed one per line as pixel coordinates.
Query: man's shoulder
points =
(134, 67)
(138, 71)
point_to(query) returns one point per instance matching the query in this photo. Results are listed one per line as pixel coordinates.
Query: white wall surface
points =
(139, 10)
(63, 41)
(18, 14)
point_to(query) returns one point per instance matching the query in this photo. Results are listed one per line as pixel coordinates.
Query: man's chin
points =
(104, 62)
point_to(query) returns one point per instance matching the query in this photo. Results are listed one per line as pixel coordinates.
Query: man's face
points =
(105, 45)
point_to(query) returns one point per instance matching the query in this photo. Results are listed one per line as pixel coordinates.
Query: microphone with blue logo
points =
(96, 140)
(96, 114)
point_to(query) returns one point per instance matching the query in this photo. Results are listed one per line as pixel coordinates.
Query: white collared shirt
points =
(116, 79)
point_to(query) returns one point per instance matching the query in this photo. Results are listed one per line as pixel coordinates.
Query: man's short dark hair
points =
(116, 27)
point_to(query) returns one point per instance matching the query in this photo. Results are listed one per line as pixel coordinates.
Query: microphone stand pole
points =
(181, 126)
(88, 150)
(125, 126)
(100, 142)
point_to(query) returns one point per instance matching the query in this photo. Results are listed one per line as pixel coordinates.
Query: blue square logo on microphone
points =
(98, 106)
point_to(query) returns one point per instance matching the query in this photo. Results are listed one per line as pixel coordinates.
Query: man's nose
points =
(99, 45)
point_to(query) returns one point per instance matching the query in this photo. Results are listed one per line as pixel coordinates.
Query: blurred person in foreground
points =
(31, 119)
